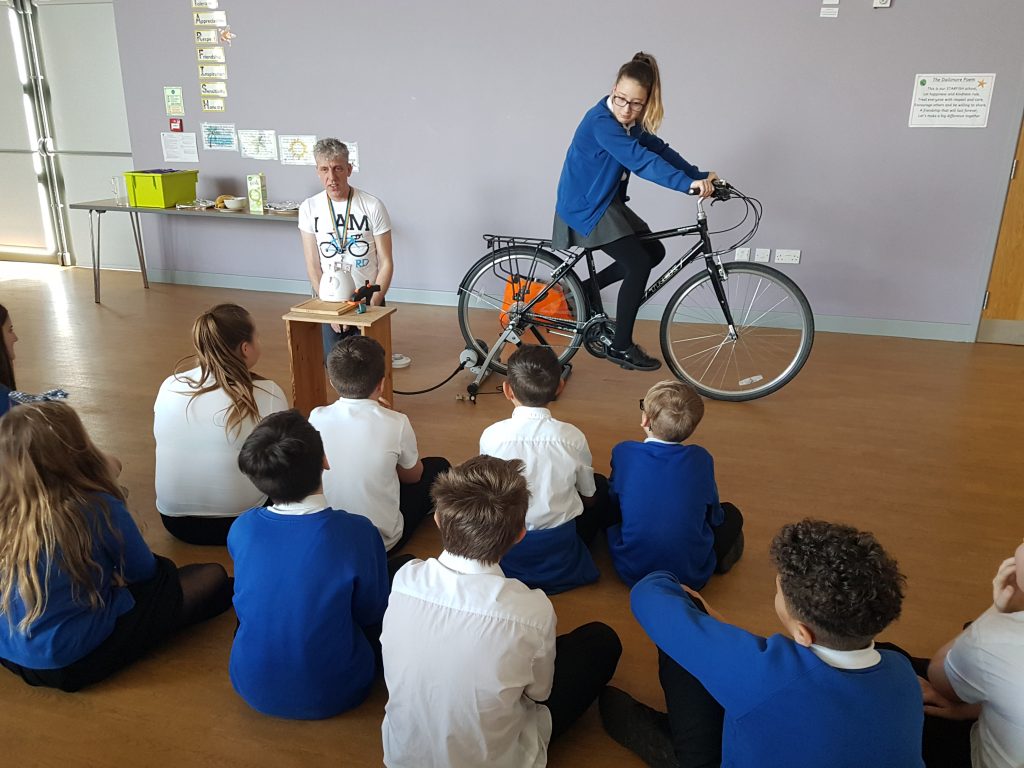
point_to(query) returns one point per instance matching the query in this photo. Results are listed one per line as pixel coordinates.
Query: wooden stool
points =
(306, 351)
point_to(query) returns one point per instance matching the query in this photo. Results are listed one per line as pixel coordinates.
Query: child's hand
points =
(937, 705)
(1006, 591)
(697, 596)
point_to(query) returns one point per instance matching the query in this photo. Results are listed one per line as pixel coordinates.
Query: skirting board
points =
(911, 329)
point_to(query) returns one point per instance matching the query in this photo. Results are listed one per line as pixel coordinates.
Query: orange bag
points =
(552, 305)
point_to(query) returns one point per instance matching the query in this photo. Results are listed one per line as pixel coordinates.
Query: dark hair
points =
(534, 375)
(356, 366)
(481, 507)
(674, 408)
(837, 580)
(283, 456)
(6, 364)
(643, 68)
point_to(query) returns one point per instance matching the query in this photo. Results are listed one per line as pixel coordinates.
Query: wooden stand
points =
(306, 350)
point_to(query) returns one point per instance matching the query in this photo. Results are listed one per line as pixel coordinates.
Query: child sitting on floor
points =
(821, 696)
(671, 519)
(81, 594)
(470, 655)
(311, 583)
(376, 469)
(568, 502)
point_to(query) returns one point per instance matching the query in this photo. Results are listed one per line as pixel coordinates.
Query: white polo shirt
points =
(365, 444)
(197, 470)
(559, 466)
(986, 666)
(468, 654)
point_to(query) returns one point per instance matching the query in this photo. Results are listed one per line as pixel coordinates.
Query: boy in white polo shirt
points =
(568, 502)
(375, 469)
(470, 655)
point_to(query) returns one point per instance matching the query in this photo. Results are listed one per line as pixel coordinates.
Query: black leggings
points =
(634, 261)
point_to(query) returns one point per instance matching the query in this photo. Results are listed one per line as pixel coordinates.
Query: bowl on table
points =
(235, 203)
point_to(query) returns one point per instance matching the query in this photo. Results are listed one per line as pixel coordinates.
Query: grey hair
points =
(329, 148)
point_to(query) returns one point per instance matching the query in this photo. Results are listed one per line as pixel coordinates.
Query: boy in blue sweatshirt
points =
(821, 696)
(671, 518)
(311, 583)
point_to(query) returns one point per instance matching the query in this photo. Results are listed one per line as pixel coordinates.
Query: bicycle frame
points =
(596, 307)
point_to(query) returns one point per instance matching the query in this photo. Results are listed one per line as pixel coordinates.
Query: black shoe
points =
(634, 359)
(637, 727)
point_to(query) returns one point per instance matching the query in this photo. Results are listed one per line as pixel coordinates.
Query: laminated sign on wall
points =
(951, 101)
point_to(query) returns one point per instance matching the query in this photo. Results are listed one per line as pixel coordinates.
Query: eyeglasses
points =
(641, 403)
(623, 103)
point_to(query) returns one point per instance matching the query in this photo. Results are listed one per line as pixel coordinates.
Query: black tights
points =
(634, 260)
(206, 591)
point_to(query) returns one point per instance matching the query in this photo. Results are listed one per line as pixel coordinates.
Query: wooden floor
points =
(920, 442)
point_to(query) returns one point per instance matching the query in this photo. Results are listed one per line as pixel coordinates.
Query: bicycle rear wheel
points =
(496, 288)
(774, 332)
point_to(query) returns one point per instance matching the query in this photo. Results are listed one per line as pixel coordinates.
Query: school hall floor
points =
(917, 441)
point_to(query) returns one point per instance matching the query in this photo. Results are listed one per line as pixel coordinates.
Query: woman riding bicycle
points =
(617, 137)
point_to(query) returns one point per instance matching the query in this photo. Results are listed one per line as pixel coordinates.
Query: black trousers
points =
(634, 261)
(729, 541)
(585, 660)
(599, 515)
(204, 531)
(414, 500)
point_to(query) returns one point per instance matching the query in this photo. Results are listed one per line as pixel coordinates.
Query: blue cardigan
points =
(785, 707)
(601, 150)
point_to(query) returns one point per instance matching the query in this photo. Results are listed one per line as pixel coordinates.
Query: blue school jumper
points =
(785, 707)
(305, 587)
(553, 559)
(669, 503)
(600, 151)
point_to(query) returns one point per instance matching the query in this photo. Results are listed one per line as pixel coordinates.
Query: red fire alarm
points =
(177, 124)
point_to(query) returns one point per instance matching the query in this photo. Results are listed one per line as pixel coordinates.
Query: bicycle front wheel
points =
(495, 292)
(774, 330)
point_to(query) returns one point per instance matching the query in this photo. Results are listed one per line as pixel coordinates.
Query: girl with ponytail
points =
(617, 137)
(201, 419)
(81, 594)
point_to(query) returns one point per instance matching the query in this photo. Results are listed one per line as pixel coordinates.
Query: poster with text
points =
(220, 137)
(951, 101)
(179, 147)
(296, 149)
(258, 145)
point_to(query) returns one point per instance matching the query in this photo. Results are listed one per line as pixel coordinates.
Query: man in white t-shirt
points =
(344, 223)
(984, 665)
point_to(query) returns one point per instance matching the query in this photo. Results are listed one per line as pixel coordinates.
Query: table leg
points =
(306, 356)
(381, 331)
(139, 247)
(94, 244)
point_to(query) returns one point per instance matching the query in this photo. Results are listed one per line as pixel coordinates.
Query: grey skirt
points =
(617, 222)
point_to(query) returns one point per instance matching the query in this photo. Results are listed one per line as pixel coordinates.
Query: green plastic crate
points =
(160, 188)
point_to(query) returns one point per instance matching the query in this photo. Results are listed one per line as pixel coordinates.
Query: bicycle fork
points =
(718, 278)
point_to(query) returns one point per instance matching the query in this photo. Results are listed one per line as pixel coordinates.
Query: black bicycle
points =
(735, 331)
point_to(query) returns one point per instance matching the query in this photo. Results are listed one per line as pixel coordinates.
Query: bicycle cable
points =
(451, 376)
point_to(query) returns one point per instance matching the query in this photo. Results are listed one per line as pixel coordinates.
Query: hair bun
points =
(644, 58)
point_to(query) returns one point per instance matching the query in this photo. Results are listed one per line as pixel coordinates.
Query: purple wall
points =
(463, 111)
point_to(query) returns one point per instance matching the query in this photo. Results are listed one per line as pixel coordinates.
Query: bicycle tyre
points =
(774, 326)
(483, 303)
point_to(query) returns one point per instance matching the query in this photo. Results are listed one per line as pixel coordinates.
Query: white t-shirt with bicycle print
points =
(367, 217)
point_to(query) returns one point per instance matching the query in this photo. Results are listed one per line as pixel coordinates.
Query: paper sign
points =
(353, 155)
(174, 101)
(951, 101)
(220, 136)
(207, 37)
(214, 104)
(213, 88)
(179, 147)
(214, 53)
(297, 149)
(213, 72)
(829, 13)
(210, 18)
(258, 145)
(210, 4)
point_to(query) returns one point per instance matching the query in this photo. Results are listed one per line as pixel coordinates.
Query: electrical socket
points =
(764, 255)
(882, 3)
(742, 254)
(787, 256)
